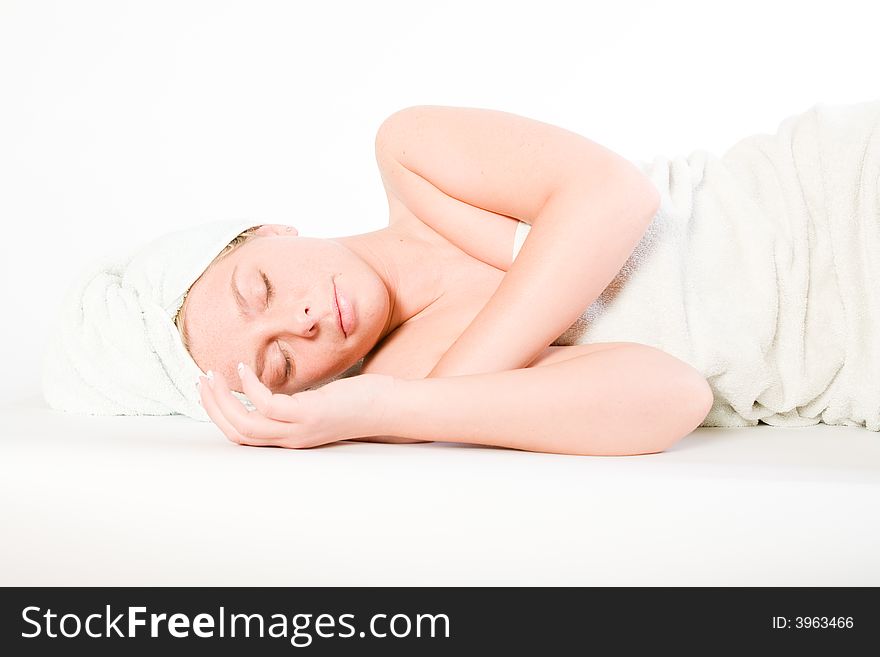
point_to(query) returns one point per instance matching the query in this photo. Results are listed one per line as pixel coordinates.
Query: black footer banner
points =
(428, 621)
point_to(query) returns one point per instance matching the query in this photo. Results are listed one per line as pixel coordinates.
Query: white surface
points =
(170, 501)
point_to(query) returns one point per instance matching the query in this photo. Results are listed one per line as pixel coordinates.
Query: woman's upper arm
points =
(485, 236)
(559, 353)
(467, 172)
(498, 161)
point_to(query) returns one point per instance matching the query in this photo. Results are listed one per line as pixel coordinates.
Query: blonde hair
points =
(236, 241)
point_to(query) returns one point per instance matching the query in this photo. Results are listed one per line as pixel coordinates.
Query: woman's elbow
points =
(684, 413)
(640, 400)
(675, 399)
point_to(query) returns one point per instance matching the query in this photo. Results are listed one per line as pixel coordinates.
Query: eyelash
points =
(286, 363)
(283, 353)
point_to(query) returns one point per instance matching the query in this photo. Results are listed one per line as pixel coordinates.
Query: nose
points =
(285, 320)
(303, 322)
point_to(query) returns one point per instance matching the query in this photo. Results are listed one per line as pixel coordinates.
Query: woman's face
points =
(231, 315)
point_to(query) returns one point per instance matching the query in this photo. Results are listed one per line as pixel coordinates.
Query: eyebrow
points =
(242, 306)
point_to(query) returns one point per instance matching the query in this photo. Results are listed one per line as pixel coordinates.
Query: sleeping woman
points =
(532, 290)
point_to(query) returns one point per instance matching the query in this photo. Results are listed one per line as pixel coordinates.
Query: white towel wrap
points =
(114, 349)
(761, 269)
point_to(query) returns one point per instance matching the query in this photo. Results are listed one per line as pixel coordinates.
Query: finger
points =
(273, 406)
(255, 428)
(210, 406)
(258, 393)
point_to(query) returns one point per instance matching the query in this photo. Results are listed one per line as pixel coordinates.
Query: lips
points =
(338, 313)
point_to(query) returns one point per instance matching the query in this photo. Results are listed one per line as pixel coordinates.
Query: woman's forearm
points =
(577, 244)
(620, 401)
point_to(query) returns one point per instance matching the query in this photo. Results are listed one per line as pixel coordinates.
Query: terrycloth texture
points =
(761, 269)
(115, 349)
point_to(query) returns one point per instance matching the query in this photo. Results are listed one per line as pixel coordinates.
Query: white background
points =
(122, 120)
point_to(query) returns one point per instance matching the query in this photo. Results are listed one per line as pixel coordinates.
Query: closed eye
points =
(269, 295)
(286, 364)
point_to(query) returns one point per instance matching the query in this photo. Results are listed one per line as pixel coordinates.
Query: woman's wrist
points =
(386, 407)
(403, 406)
(367, 398)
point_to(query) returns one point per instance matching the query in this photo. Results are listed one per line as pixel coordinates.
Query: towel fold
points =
(761, 269)
(114, 349)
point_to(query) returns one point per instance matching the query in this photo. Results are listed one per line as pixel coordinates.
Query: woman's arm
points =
(588, 208)
(619, 399)
(576, 246)
(629, 399)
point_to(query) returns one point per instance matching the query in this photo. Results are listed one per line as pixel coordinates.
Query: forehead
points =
(211, 317)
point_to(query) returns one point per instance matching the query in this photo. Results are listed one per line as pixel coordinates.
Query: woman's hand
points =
(340, 410)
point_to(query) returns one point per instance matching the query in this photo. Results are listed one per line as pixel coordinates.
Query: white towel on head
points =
(761, 269)
(114, 349)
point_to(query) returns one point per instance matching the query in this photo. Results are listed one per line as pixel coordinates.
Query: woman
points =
(452, 348)
(453, 335)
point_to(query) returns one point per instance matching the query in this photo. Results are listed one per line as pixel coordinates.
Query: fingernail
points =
(241, 368)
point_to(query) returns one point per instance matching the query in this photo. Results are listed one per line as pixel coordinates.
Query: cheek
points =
(218, 345)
